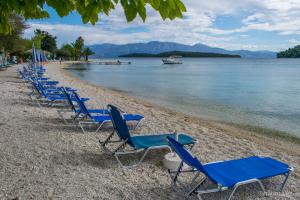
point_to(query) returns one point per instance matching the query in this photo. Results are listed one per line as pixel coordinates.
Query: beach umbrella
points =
(41, 56)
(34, 56)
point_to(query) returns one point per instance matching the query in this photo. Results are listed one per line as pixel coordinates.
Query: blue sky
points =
(231, 24)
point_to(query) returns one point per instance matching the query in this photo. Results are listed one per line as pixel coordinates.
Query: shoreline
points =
(252, 129)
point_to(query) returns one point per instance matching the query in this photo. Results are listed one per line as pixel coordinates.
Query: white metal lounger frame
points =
(120, 150)
(40, 100)
(83, 121)
(72, 118)
(82, 124)
(196, 189)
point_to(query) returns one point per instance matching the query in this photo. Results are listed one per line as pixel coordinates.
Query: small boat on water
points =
(113, 62)
(171, 60)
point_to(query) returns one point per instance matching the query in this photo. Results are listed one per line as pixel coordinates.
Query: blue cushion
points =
(95, 111)
(146, 141)
(132, 117)
(128, 117)
(228, 173)
(101, 118)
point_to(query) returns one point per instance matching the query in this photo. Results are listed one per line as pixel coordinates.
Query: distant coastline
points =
(109, 50)
(187, 54)
(290, 53)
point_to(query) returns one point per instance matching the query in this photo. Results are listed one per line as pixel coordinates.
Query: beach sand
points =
(42, 158)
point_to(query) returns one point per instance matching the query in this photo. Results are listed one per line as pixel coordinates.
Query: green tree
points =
(78, 47)
(37, 38)
(88, 9)
(12, 43)
(48, 43)
(69, 49)
(290, 53)
(86, 53)
(62, 53)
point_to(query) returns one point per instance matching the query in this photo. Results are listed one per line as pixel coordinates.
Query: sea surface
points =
(256, 92)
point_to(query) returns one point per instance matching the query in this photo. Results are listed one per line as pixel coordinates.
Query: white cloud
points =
(276, 16)
(294, 41)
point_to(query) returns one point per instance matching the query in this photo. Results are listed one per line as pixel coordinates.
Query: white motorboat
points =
(171, 60)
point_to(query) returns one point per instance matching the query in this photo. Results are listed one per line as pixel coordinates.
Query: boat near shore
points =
(106, 62)
(112, 62)
(171, 60)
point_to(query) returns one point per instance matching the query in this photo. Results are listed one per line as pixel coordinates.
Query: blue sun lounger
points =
(75, 108)
(50, 97)
(101, 119)
(231, 174)
(137, 143)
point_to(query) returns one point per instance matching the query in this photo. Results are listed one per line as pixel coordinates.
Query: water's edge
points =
(255, 129)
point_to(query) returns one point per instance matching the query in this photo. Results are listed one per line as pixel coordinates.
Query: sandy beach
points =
(42, 158)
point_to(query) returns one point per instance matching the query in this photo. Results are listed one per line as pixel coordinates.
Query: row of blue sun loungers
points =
(226, 175)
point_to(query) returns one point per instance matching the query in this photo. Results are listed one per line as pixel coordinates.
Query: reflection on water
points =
(259, 92)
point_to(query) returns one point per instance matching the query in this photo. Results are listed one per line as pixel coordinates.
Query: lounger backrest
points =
(36, 87)
(69, 98)
(185, 155)
(82, 106)
(119, 123)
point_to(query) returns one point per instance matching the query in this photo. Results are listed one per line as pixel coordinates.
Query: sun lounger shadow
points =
(28, 102)
(44, 120)
(96, 160)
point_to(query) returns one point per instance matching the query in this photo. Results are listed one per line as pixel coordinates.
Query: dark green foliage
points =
(182, 54)
(48, 43)
(13, 43)
(290, 53)
(63, 53)
(88, 9)
(66, 52)
(45, 41)
(74, 51)
(86, 53)
(77, 47)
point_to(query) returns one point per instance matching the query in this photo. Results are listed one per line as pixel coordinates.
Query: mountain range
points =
(114, 50)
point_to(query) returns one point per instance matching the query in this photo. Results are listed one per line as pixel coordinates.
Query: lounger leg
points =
(100, 126)
(196, 187)
(218, 189)
(61, 115)
(175, 176)
(103, 144)
(38, 103)
(232, 193)
(134, 165)
(137, 151)
(137, 125)
(81, 126)
(244, 183)
(195, 177)
(285, 181)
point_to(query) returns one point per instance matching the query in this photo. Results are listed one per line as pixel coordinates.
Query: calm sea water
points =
(258, 92)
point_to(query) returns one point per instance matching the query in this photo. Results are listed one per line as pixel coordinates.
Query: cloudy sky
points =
(231, 24)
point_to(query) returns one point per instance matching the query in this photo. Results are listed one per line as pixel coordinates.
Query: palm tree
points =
(86, 53)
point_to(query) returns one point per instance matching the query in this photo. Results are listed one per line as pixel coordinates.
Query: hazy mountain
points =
(114, 50)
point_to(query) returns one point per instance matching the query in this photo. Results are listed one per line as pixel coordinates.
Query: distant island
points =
(182, 54)
(290, 53)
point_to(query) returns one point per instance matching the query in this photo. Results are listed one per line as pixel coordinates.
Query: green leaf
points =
(88, 9)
